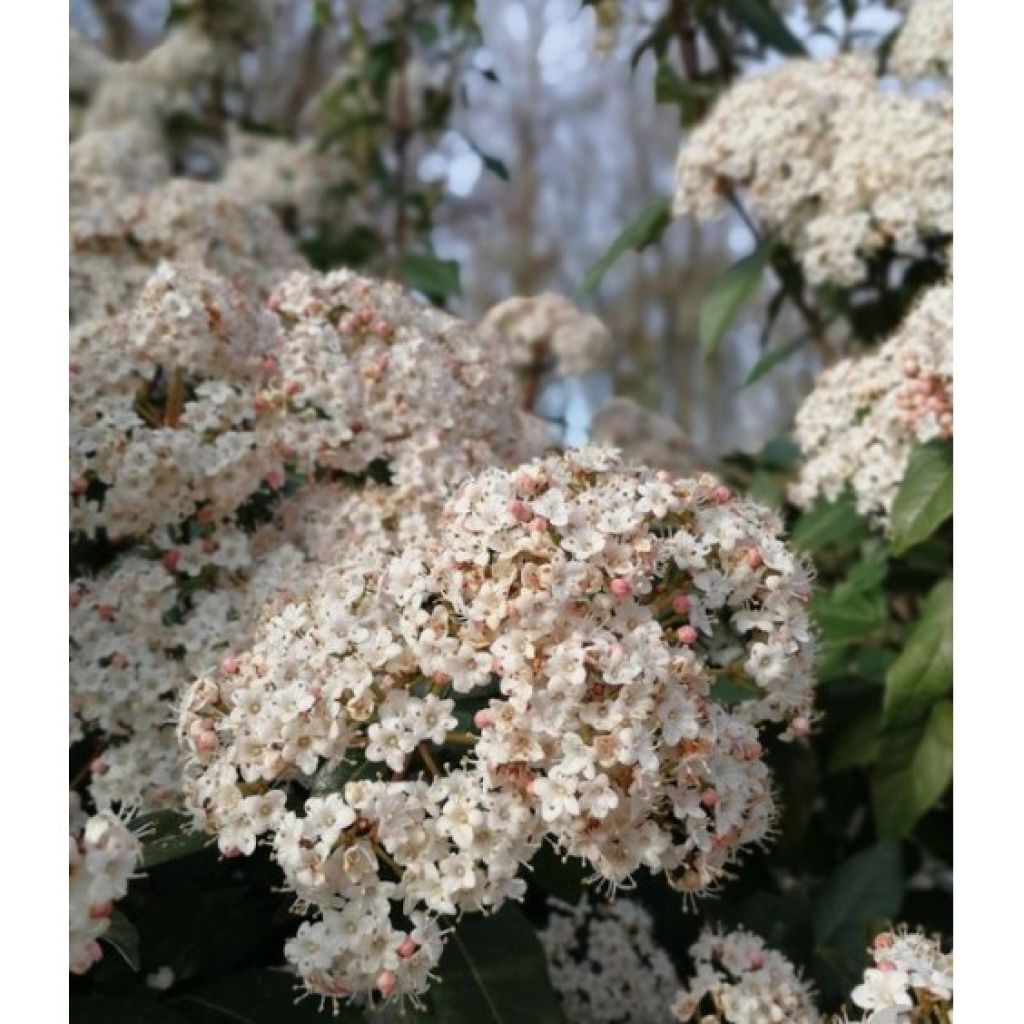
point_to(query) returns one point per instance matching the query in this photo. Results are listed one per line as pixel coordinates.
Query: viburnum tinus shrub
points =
(560, 660)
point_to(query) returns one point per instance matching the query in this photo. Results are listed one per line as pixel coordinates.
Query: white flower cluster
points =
(193, 412)
(911, 979)
(609, 601)
(865, 416)
(548, 331)
(329, 701)
(738, 980)
(585, 612)
(924, 45)
(605, 965)
(839, 167)
(103, 855)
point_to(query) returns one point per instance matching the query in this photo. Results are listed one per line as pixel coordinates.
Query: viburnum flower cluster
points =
(911, 980)
(838, 167)
(738, 980)
(924, 45)
(605, 964)
(103, 857)
(549, 332)
(567, 620)
(866, 415)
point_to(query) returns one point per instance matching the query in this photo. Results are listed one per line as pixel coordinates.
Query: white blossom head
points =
(912, 979)
(924, 46)
(838, 167)
(739, 980)
(605, 964)
(103, 856)
(549, 331)
(866, 414)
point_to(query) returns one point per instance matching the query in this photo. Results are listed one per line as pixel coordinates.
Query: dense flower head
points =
(549, 331)
(866, 415)
(839, 167)
(924, 45)
(739, 980)
(911, 979)
(608, 602)
(605, 964)
(103, 856)
(328, 703)
(123, 229)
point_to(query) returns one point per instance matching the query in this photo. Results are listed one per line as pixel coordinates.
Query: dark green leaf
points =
(258, 995)
(563, 879)
(729, 691)
(172, 847)
(863, 891)
(767, 25)
(322, 12)
(332, 778)
(123, 936)
(925, 498)
(435, 278)
(644, 231)
(729, 294)
(493, 971)
(914, 770)
(854, 607)
(828, 523)
(858, 744)
(770, 359)
(924, 670)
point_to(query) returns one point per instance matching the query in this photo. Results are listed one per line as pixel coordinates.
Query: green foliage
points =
(493, 972)
(729, 294)
(123, 937)
(644, 231)
(925, 498)
(767, 25)
(828, 523)
(436, 278)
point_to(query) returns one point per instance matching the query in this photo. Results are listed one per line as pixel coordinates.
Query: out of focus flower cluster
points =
(924, 45)
(838, 167)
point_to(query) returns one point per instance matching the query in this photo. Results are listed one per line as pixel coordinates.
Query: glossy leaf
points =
(644, 231)
(493, 971)
(827, 523)
(924, 500)
(767, 25)
(172, 847)
(729, 294)
(913, 772)
(123, 936)
(436, 278)
(773, 357)
(923, 672)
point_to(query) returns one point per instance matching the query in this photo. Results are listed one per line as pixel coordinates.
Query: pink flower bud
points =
(519, 510)
(261, 403)
(538, 524)
(293, 387)
(119, 660)
(206, 515)
(757, 960)
(274, 480)
(74, 597)
(79, 485)
(483, 718)
(269, 364)
(106, 612)
(206, 742)
(886, 966)
(754, 558)
(274, 303)
(681, 604)
(525, 483)
(722, 494)
(209, 546)
(383, 329)
(408, 948)
(98, 910)
(800, 726)
(663, 476)
(230, 665)
(386, 982)
(347, 324)
(883, 940)
(709, 798)
(171, 559)
(620, 587)
(75, 366)
(686, 634)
